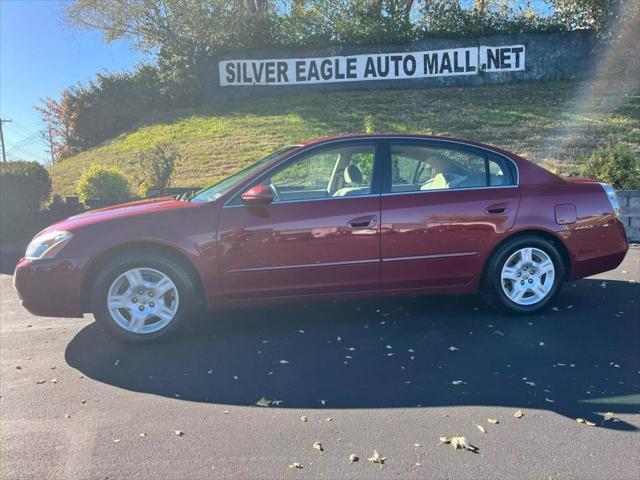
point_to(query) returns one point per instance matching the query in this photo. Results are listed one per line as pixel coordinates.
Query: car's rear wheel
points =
(143, 297)
(524, 275)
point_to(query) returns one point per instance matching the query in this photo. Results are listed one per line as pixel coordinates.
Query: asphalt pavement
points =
(391, 376)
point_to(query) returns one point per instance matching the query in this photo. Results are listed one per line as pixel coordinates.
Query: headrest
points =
(353, 175)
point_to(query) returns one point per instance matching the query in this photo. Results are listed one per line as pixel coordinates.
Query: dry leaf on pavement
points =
(377, 458)
(303, 418)
(318, 446)
(518, 414)
(263, 402)
(295, 465)
(180, 433)
(458, 442)
(353, 458)
(480, 427)
(492, 421)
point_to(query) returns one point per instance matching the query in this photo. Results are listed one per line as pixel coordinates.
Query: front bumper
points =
(50, 288)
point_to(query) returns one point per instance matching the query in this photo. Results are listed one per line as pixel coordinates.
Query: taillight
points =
(611, 195)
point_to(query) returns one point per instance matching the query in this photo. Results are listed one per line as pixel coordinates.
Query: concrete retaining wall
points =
(630, 212)
(549, 56)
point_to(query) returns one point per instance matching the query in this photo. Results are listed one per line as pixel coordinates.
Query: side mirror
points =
(258, 195)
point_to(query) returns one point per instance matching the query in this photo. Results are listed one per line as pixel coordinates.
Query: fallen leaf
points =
(318, 446)
(493, 421)
(518, 414)
(417, 445)
(590, 424)
(180, 433)
(480, 427)
(304, 419)
(377, 458)
(295, 465)
(54, 380)
(263, 402)
(353, 458)
(40, 382)
(453, 349)
(608, 416)
(580, 420)
(226, 412)
(458, 442)
(66, 415)
(115, 440)
(328, 419)
(142, 434)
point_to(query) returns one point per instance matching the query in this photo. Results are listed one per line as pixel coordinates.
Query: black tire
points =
(492, 286)
(185, 284)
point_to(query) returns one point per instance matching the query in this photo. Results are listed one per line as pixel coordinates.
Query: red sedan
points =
(352, 216)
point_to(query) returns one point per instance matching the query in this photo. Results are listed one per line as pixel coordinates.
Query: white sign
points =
(376, 66)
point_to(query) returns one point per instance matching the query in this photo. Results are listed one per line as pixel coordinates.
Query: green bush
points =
(24, 186)
(618, 166)
(156, 166)
(103, 183)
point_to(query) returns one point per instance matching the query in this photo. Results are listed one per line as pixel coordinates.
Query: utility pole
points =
(2, 122)
(48, 136)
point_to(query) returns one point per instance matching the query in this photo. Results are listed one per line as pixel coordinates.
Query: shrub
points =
(24, 186)
(618, 166)
(157, 166)
(103, 183)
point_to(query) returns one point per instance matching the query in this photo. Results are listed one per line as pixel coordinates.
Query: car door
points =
(443, 206)
(320, 234)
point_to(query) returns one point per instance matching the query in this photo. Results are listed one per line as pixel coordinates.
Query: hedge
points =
(24, 186)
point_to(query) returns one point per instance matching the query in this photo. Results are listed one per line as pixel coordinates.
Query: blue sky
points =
(39, 56)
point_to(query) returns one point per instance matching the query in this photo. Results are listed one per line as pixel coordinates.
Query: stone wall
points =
(630, 212)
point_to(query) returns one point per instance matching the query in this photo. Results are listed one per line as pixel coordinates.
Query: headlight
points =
(47, 245)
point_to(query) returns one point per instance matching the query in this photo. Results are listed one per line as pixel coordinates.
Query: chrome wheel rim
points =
(527, 276)
(143, 300)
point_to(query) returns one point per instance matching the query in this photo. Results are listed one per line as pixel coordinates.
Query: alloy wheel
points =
(527, 276)
(143, 300)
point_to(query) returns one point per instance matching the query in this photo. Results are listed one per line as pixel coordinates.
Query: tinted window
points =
(419, 168)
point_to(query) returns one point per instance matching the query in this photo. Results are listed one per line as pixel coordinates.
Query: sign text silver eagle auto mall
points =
(376, 66)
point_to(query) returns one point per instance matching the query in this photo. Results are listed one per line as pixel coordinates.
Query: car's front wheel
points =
(143, 297)
(524, 275)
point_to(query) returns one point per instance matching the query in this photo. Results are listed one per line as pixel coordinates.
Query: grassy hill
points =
(550, 123)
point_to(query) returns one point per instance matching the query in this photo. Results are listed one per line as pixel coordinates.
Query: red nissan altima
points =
(351, 216)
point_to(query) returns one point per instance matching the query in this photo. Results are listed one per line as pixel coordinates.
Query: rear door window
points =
(423, 167)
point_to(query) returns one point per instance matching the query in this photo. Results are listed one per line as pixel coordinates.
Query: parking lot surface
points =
(391, 376)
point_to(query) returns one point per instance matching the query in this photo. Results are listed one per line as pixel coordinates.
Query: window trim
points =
(352, 142)
(485, 153)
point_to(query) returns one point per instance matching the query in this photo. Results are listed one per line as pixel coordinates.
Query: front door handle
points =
(363, 222)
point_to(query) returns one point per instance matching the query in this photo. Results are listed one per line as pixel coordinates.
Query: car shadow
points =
(579, 359)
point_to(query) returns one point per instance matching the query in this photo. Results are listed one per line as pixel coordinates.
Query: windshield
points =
(216, 190)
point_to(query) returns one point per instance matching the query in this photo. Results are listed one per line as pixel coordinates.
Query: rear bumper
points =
(608, 250)
(50, 288)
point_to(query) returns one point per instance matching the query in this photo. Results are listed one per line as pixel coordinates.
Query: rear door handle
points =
(363, 222)
(497, 209)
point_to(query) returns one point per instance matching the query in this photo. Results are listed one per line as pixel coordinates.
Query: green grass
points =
(550, 123)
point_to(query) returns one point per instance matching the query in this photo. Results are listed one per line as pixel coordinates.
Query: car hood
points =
(132, 209)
